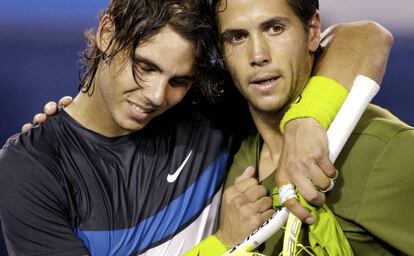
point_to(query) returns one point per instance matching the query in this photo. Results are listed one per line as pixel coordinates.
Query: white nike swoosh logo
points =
(173, 177)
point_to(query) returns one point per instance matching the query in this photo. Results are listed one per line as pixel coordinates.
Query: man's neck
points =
(91, 113)
(268, 126)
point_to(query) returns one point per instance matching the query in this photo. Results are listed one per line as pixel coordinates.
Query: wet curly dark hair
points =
(137, 21)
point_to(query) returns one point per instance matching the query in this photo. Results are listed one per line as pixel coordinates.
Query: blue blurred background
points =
(40, 41)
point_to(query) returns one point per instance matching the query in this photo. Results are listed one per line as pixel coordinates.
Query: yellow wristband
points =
(321, 99)
(211, 246)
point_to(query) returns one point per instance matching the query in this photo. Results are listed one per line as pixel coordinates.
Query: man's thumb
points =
(248, 173)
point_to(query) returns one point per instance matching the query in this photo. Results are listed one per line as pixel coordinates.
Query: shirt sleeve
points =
(34, 208)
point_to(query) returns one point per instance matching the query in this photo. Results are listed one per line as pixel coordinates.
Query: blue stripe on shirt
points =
(164, 223)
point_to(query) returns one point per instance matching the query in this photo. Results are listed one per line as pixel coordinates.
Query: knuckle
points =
(228, 192)
(50, 104)
(318, 153)
(227, 200)
(67, 98)
(227, 195)
(325, 184)
(257, 220)
(312, 196)
(290, 204)
(309, 158)
(331, 171)
(247, 183)
(268, 214)
(37, 118)
(300, 212)
(306, 160)
(64, 100)
(49, 107)
(253, 181)
(26, 127)
(239, 201)
(292, 166)
(261, 190)
(268, 201)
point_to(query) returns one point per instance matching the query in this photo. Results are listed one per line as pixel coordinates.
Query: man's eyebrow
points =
(272, 21)
(148, 62)
(229, 33)
(151, 64)
(185, 77)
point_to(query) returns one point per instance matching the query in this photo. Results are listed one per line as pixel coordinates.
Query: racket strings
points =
(306, 249)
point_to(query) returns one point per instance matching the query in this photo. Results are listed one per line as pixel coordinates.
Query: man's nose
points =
(259, 51)
(156, 94)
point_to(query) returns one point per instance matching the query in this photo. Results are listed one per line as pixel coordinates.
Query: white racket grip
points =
(363, 91)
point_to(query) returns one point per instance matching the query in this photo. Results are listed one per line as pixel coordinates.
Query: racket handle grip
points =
(363, 91)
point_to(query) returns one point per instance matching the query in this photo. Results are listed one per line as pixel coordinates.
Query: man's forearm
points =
(359, 48)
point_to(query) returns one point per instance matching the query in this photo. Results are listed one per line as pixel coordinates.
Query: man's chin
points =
(131, 126)
(266, 107)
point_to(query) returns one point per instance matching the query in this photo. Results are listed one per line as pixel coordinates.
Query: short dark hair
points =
(139, 20)
(304, 9)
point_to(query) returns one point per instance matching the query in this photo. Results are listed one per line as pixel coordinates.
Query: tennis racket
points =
(363, 91)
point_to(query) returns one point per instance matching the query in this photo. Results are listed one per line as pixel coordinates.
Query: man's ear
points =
(314, 32)
(105, 33)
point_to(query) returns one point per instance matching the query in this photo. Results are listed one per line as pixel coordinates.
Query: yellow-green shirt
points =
(373, 198)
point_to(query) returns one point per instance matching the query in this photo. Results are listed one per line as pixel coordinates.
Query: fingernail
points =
(309, 220)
